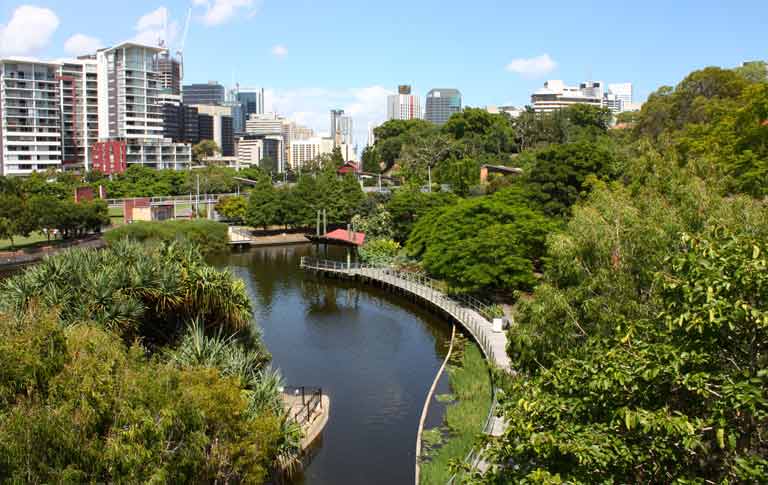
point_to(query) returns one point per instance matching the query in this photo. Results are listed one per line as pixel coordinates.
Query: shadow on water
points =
(374, 353)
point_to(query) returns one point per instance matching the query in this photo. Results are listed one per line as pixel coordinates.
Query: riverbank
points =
(9, 259)
(464, 418)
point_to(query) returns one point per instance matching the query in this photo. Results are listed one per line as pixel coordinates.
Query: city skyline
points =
(497, 58)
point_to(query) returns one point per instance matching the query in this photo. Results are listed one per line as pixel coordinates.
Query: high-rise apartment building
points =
(79, 111)
(130, 112)
(208, 93)
(404, 105)
(98, 111)
(30, 116)
(169, 69)
(441, 104)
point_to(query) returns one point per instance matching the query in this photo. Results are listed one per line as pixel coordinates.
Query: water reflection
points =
(374, 353)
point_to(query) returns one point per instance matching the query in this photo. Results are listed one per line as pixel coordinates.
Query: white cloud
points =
(155, 26)
(279, 50)
(80, 44)
(218, 12)
(532, 66)
(29, 30)
(311, 106)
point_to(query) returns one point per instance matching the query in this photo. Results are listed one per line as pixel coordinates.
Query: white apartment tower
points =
(129, 110)
(30, 117)
(403, 105)
(129, 85)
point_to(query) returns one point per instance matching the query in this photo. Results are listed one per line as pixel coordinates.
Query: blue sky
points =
(316, 55)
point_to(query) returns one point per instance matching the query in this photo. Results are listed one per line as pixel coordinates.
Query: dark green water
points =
(374, 353)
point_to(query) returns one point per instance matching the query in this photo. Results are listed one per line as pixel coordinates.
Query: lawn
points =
(34, 239)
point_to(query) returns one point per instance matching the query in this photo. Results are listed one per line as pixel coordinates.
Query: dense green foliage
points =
(77, 405)
(112, 358)
(379, 251)
(297, 206)
(641, 356)
(486, 243)
(209, 236)
(559, 175)
(233, 208)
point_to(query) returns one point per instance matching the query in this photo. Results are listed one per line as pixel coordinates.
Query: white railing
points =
(176, 199)
(468, 311)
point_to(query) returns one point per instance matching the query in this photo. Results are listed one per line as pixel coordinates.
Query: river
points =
(375, 354)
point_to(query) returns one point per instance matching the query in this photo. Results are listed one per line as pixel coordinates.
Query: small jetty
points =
(310, 409)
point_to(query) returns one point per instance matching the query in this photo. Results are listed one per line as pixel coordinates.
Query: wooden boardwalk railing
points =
(472, 314)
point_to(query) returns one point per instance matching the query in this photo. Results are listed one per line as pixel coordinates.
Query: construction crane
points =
(180, 52)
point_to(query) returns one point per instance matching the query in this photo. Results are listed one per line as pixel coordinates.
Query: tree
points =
(481, 131)
(370, 160)
(408, 205)
(559, 174)
(14, 217)
(262, 205)
(233, 208)
(205, 149)
(420, 156)
(486, 244)
(391, 135)
(755, 71)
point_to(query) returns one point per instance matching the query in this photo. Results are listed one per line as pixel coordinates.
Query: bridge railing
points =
(486, 310)
(461, 307)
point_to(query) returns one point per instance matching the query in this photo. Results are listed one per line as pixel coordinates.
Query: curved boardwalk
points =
(471, 314)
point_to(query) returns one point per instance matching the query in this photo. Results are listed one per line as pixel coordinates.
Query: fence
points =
(311, 399)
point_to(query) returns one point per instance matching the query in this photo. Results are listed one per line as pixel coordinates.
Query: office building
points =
(181, 123)
(264, 124)
(130, 111)
(30, 133)
(404, 105)
(304, 151)
(251, 102)
(556, 95)
(622, 91)
(441, 104)
(169, 69)
(215, 123)
(250, 150)
(211, 93)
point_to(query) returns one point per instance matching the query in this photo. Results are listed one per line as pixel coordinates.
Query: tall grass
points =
(464, 419)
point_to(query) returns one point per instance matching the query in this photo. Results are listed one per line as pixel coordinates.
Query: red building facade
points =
(108, 157)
